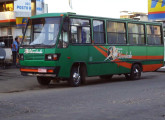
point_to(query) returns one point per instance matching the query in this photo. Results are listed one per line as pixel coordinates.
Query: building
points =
(156, 11)
(13, 18)
(134, 15)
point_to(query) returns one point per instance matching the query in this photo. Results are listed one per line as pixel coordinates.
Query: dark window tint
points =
(98, 32)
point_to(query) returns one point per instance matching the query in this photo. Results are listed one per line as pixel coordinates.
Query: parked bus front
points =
(38, 55)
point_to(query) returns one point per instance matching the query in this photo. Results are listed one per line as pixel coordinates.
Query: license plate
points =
(42, 70)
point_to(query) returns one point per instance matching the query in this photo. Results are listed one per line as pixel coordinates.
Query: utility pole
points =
(70, 4)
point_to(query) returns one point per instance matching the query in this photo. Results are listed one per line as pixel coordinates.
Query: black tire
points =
(76, 78)
(43, 80)
(106, 77)
(127, 76)
(83, 74)
(135, 73)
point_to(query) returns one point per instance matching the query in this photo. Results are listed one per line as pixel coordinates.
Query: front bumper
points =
(40, 71)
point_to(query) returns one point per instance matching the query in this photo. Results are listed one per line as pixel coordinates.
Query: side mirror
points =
(2, 44)
(66, 24)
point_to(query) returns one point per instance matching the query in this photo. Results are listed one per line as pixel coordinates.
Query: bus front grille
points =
(34, 57)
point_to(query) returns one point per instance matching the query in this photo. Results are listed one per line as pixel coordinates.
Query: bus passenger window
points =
(136, 34)
(116, 33)
(154, 35)
(80, 31)
(98, 32)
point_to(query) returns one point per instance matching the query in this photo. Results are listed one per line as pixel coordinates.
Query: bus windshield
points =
(42, 31)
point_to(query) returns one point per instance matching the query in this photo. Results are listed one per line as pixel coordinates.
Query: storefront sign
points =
(39, 6)
(156, 9)
(22, 6)
(21, 21)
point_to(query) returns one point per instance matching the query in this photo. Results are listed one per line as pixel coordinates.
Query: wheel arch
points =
(139, 63)
(82, 65)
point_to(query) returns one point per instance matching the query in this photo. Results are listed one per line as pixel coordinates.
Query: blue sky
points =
(104, 8)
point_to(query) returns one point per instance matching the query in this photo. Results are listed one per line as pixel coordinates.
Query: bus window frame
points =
(70, 39)
(161, 35)
(126, 31)
(145, 39)
(105, 32)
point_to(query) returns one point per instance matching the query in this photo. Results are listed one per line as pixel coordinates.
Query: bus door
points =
(63, 49)
(80, 39)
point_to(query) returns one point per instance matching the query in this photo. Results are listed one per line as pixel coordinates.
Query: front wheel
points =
(78, 75)
(43, 80)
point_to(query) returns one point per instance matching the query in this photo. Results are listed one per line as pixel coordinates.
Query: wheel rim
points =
(136, 73)
(76, 78)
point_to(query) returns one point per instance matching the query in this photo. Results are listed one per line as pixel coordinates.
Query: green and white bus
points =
(67, 46)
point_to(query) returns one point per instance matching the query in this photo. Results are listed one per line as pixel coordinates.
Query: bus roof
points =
(51, 15)
(90, 17)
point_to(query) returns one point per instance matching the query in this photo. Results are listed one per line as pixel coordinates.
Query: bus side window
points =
(63, 40)
(80, 31)
(154, 35)
(98, 32)
(116, 32)
(136, 34)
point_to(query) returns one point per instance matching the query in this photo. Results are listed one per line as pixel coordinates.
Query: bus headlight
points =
(51, 57)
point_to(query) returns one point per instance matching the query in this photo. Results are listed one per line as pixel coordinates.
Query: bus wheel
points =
(83, 73)
(43, 80)
(127, 76)
(135, 73)
(75, 78)
(106, 77)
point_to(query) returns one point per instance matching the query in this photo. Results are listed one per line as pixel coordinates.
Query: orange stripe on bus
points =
(147, 57)
(101, 51)
(103, 48)
(123, 64)
(152, 67)
(29, 70)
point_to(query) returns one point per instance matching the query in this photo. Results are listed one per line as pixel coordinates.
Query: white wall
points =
(22, 8)
(17, 32)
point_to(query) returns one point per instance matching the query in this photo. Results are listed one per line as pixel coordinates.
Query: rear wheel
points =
(135, 73)
(43, 80)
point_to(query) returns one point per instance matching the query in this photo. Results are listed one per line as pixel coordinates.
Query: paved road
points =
(117, 99)
(12, 81)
